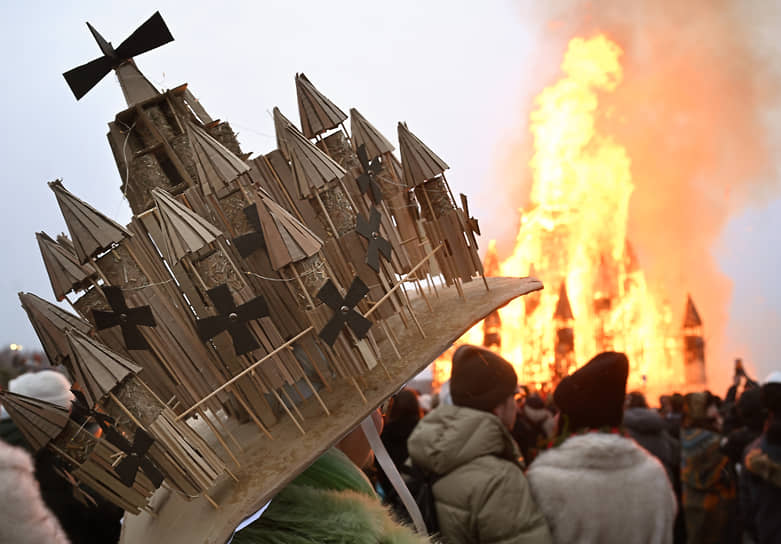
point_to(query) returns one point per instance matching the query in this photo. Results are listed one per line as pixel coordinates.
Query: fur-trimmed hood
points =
(603, 488)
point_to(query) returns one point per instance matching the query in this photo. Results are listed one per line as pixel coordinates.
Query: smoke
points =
(696, 113)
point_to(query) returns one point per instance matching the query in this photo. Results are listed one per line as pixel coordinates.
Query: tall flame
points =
(573, 237)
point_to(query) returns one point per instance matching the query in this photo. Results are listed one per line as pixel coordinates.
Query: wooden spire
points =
(65, 272)
(38, 420)
(287, 239)
(97, 369)
(91, 231)
(216, 164)
(184, 231)
(50, 322)
(280, 128)
(563, 309)
(418, 162)
(318, 114)
(692, 317)
(312, 167)
(135, 86)
(364, 133)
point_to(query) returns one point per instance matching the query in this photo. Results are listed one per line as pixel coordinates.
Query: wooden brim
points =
(268, 465)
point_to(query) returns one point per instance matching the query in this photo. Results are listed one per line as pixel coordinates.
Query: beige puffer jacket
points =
(482, 494)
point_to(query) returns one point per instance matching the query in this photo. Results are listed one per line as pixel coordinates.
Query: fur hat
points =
(48, 385)
(480, 378)
(593, 396)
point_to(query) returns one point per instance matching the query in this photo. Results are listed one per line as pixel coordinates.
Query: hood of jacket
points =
(644, 421)
(451, 436)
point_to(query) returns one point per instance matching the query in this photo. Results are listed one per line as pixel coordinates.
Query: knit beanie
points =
(593, 396)
(48, 385)
(480, 378)
(771, 393)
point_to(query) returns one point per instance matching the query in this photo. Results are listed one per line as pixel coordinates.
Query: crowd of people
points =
(586, 463)
(591, 462)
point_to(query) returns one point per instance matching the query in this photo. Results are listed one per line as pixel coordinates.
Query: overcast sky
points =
(458, 72)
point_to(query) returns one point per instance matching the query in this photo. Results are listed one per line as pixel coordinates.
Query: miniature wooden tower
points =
(87, 458)
(149, 427)
(380, 166)
(444, 222)
(693, 345)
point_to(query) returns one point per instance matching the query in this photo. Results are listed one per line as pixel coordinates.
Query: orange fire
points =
(573, 237)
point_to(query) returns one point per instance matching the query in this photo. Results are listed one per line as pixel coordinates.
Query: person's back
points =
(481, 493)
(707, 480)
(761, 492)
(598, 486)
(649, 430)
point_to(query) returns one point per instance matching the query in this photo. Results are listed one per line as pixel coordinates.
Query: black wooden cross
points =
(151, 34)
(135, 457)
(377, 244)
(344, 310)
(232, 318)
(135, 453)
(471, 222)
(367, 181)
(249, 243)
(128, 319)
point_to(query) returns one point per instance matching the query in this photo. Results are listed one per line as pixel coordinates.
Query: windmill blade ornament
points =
(128, 319)
(377, 244)
(367, 181)
(233, 319)
(135, 457)
(151, 34)
(471, 222)
(345, 313)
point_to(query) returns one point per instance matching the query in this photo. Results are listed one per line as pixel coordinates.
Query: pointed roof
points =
(563, 308)
(364, 133)
(312, 167)
(280, 128)
(215, 162)
(418, 162)
(287, 239)
(184, 231)
(692, 317)
(65, 272)
(91, 231)
(318, 114)
(39, 421)
(65, 242)
(97, 369)
(50, 322)
(135, 86)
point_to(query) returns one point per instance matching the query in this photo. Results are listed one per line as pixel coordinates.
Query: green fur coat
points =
(331, 502)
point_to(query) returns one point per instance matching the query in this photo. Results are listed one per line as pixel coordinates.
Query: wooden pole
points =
(244, 372)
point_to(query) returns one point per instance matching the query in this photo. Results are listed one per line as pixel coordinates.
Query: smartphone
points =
(739, 367)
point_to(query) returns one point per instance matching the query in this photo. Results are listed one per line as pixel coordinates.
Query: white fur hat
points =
(773, 377)
(48, 385)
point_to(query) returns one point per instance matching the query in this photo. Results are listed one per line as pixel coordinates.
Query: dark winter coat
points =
(481, 494)
(762, 476)
(649, 430)
(709, 488)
